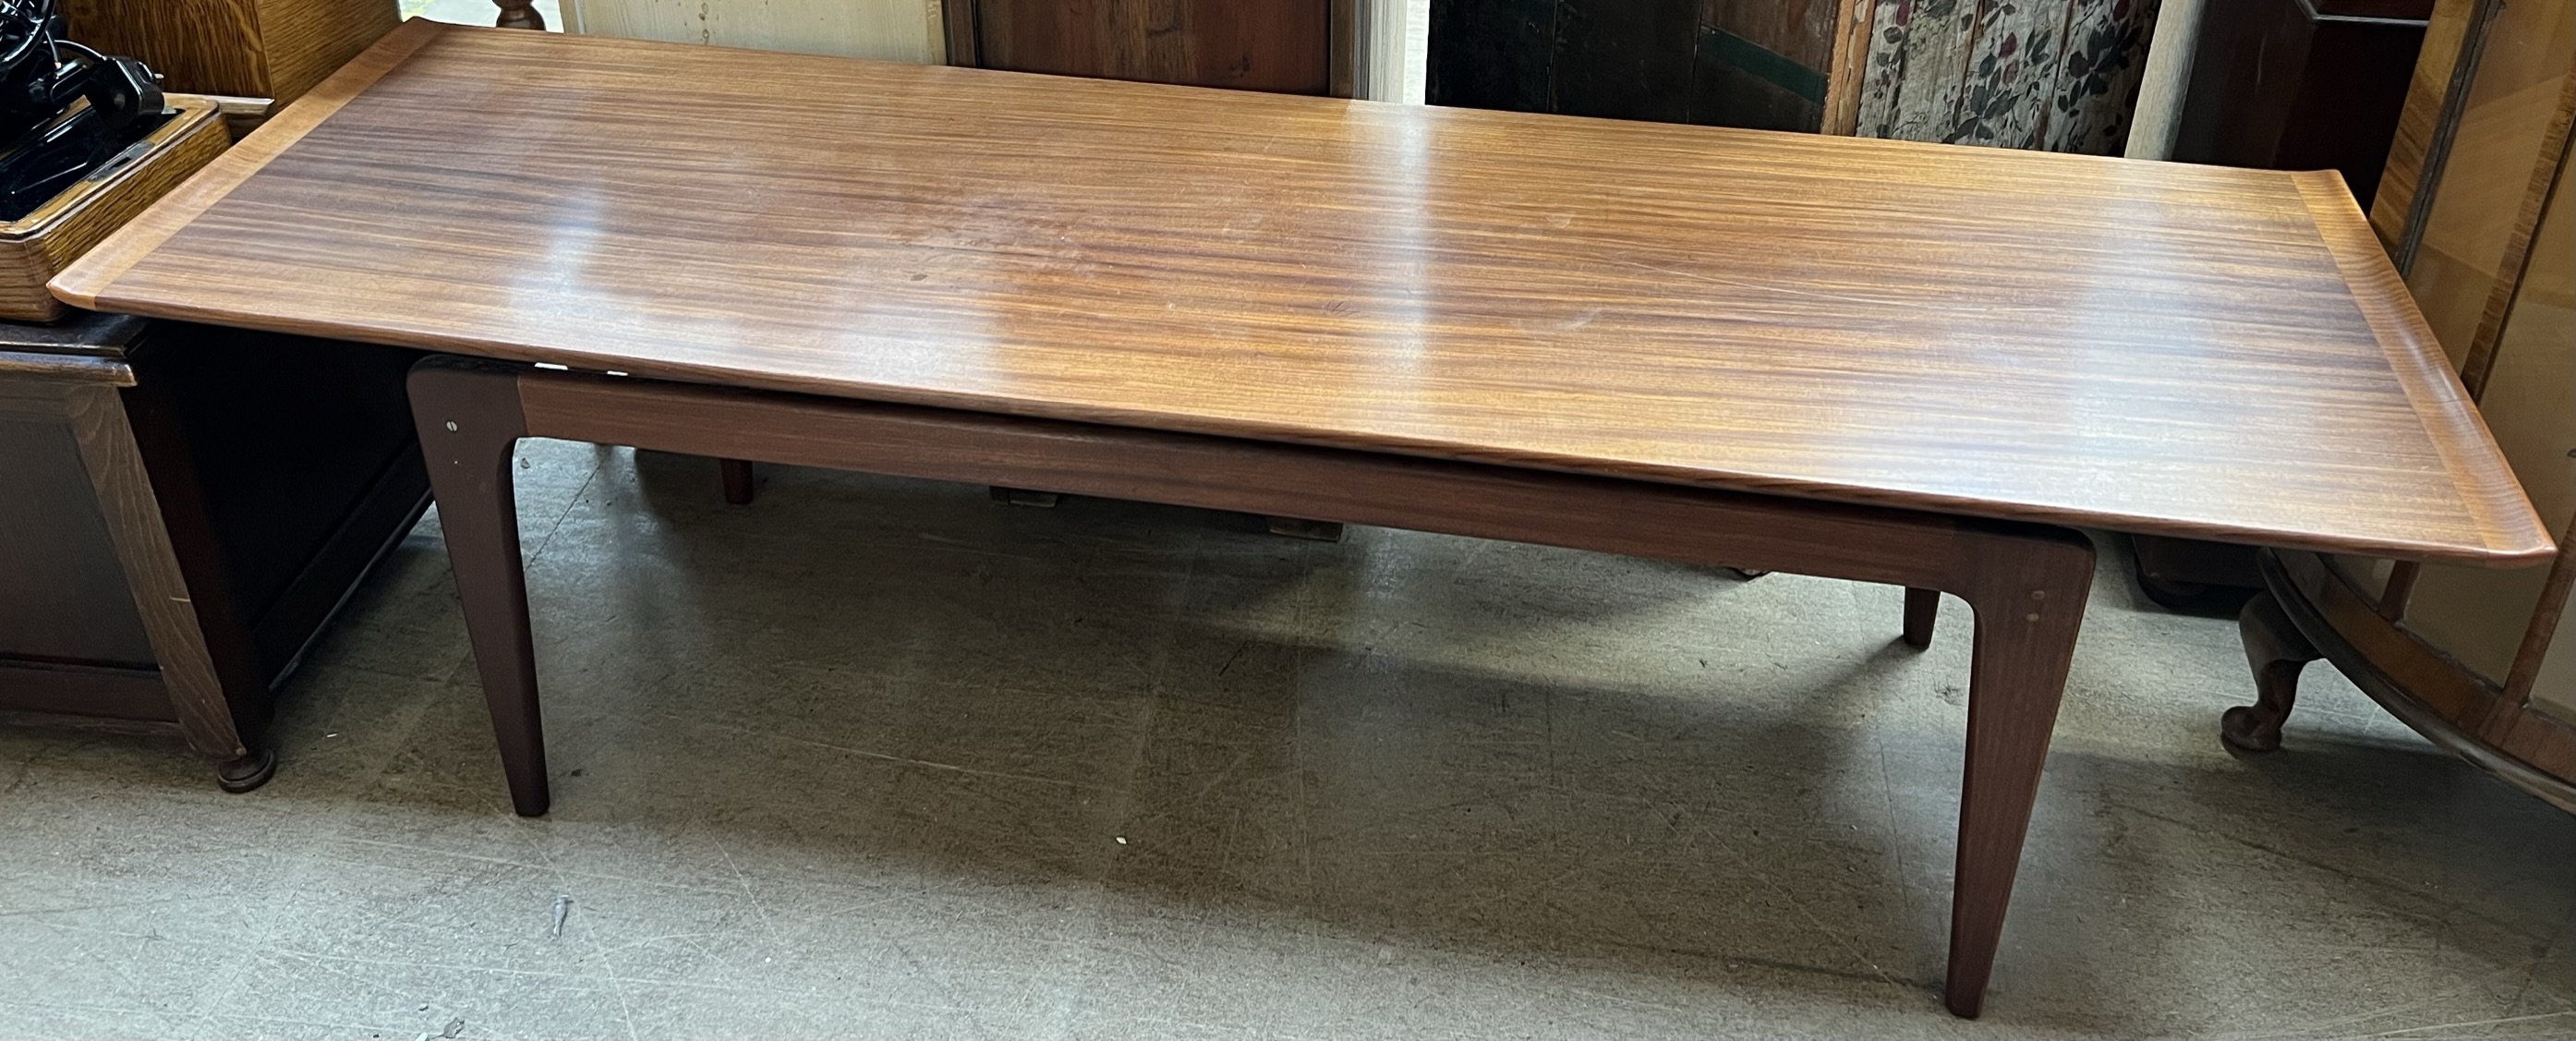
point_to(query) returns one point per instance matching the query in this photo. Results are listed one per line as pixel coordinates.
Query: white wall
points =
(893, 30)
(1394, 43)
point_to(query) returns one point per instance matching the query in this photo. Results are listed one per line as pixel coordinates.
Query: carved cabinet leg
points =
(2276, 651)
(518, 14)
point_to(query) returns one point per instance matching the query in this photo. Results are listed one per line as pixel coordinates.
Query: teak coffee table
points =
(1870, 360)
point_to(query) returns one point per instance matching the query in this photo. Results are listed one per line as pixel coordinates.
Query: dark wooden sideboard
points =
(181, 508)
(2301, 85)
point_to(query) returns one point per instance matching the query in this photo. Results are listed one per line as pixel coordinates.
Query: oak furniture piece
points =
(36, 245)
(275, 49)
(1621, 336)
(182, 507)
(2475, 208)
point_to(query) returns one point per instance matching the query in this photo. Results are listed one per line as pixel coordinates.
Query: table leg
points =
(737, 480)
(2028, 591)
(2025, 584)
(1922, 609)
(469, 420)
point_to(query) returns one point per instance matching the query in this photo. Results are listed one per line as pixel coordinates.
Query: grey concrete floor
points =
(881, 758)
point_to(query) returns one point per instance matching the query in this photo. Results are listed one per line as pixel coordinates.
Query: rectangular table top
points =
(2148, 347)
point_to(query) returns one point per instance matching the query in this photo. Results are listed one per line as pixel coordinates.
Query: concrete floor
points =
(881, 758)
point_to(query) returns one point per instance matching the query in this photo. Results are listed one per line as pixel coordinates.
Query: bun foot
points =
(245, 772)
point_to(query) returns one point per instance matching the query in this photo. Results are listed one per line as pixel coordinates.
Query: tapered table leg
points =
(2028, 592)
(1922, 609)
(737, 480)
(2026, 584)
(469, 419)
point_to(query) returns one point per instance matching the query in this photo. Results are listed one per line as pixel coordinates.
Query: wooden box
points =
(35, 247)
(252, 48)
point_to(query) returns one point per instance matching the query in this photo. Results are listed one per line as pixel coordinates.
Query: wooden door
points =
(1282, 46)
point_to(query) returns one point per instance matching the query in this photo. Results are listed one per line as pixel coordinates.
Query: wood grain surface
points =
(2145, 347)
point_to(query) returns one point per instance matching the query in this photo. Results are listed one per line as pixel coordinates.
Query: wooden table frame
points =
(2027, 583)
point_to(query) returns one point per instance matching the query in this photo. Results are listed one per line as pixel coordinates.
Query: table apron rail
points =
(1633, 518)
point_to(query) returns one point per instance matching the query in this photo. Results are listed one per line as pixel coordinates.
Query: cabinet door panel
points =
(1271, 45)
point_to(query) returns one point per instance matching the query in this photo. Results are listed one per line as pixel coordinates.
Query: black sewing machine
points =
(64, 109)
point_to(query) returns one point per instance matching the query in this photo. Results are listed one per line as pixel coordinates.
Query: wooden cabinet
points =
(1281, 46)
(259, 48)
(184, 507)
(1751, 63)
(2291, 85)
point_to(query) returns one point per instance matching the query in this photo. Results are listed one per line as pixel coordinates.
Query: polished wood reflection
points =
(2146, 347)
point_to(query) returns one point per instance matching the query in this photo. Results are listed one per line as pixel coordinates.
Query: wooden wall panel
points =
(198, 46)
(306, 40)
(886, 30)
(2486, 198)
(1281, 46)
(2426, 92)
(54, 549)
(1764, 63)
(2529, 401)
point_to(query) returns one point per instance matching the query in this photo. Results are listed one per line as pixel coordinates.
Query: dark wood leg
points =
(1922, 610)
(2277, 652)
(1320, 531)
(518, 14)
(469, 419)
(2026, 584)
(737, 480)
(2028, 592)
(1024, 497)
